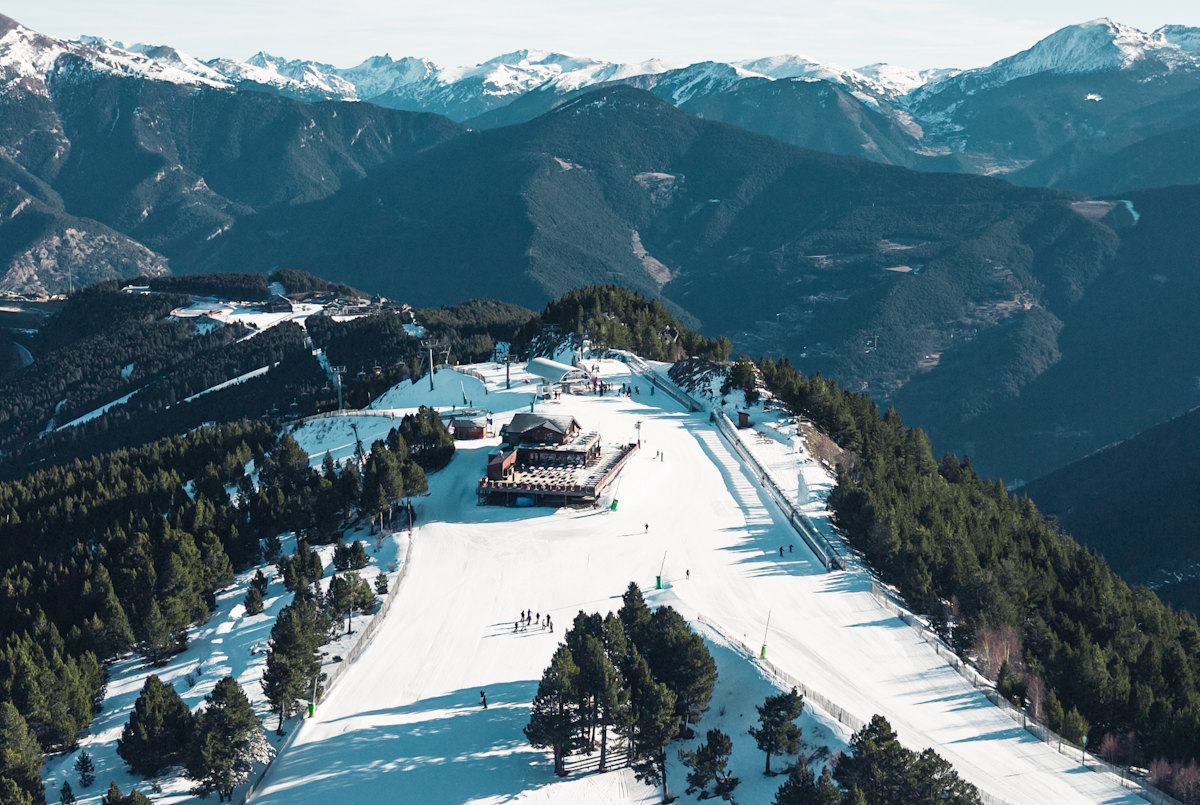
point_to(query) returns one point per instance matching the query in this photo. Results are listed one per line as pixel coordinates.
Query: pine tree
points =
(358, 558)
(113, 796)
(381, 584)
(415, 482)
(827, 790)
(65, 795)
(1074, 726)
(932, 776)
(86, 768)
(877, 764)
(254, 601)
(555, 720)
(800, 787)
(20, 758)
(654, 723)
(855, 796)
(678, 657)
(292, 663)
(158, 644)
(708, 763)
(349, 487)
(348, 593)
(634, 613)
(603, 688)
(259, 581)
(272, 548)
(159, 729)
(227, 741)
(215, 565)
(778, 732)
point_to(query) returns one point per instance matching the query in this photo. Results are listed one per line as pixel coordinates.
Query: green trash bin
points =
(614, 504)
(658, 582)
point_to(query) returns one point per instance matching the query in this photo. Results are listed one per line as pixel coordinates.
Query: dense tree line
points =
(80, 354)
(615, 318)
(224, 742)
(1085, 652)
(296, 387)
(639, 678)
(378, 352)
(92, 567)
(878, 770)
(105, 344)
(426, 438)
(473, 327)
(242, 287)
(297, 282)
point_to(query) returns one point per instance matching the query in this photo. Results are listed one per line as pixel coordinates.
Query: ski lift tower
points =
(427, 344)
(358, 445)
(338, 371)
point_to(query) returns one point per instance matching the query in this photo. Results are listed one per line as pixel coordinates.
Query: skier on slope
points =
(483, 699)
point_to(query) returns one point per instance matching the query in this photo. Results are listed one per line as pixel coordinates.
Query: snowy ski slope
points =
(404, 723)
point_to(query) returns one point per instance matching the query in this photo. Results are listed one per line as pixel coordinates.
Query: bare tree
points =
(996, 645)
(1035, 696)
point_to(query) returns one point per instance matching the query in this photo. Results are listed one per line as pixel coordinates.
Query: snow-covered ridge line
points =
(27, 58)
(1099, 45)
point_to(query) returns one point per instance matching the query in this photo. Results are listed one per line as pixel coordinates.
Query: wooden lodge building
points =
(469, 427)
(551, 439)
(548, 459)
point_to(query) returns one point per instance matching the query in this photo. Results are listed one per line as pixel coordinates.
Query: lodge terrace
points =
(549, 460)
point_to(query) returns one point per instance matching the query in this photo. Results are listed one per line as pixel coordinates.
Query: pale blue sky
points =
(917, 33)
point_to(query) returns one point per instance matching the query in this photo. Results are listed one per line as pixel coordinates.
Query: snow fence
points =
(825, 551)
(839, 713)
(335, 673)
(640, 366)
(1117, 774)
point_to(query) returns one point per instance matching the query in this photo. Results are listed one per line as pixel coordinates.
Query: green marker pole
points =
(763, 654)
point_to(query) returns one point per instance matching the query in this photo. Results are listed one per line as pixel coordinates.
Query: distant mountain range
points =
(1026, 326)
(1099, 107)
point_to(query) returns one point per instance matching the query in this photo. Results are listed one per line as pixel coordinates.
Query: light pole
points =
(638, 425)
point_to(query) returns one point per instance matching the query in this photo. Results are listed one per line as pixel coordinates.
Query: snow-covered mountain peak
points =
(899, 80)
(378, 75)
(1183, 37)
(1098, 45)
(534, 58)
(784, 66)
(28, 57)
(298, 77)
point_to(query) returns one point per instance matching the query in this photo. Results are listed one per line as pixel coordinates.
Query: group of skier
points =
(530, 618)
